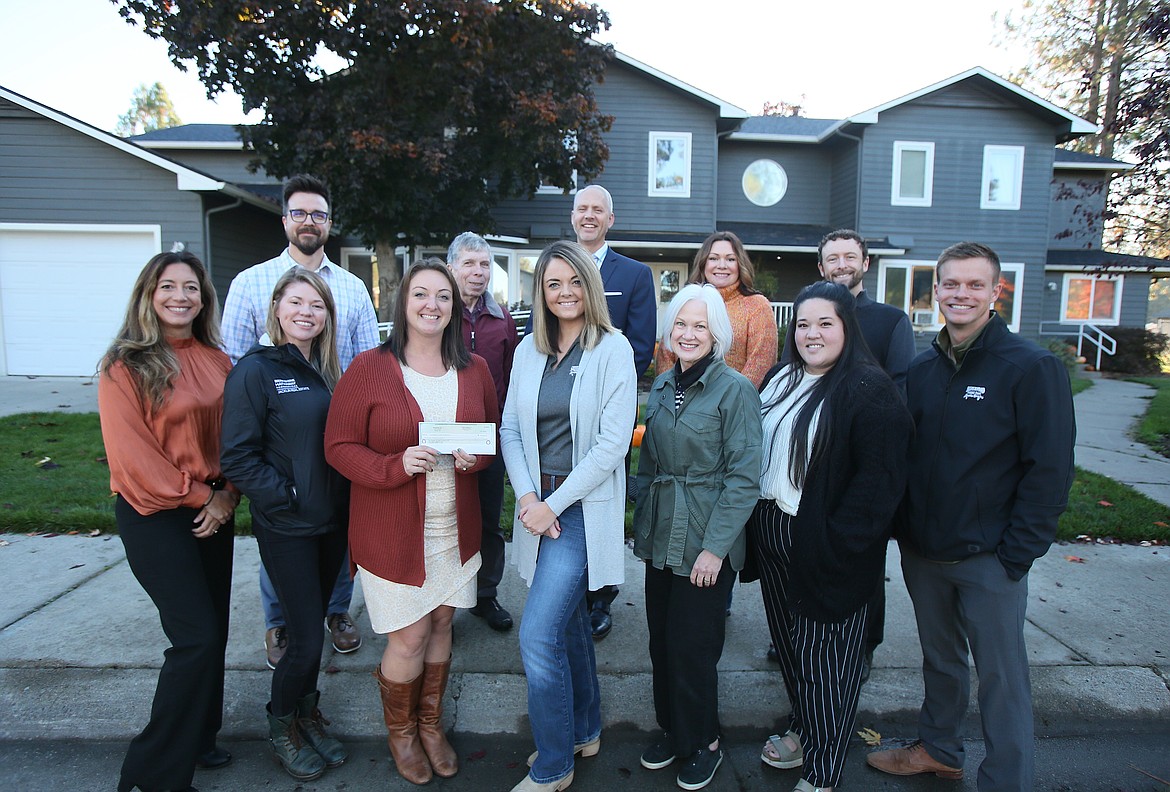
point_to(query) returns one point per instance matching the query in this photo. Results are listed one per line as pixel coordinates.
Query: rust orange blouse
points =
(162, 458)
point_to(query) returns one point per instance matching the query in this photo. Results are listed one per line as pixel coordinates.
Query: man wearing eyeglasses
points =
(307, 223)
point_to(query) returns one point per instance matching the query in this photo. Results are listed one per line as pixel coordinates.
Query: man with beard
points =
(843, 257)
(307, 223)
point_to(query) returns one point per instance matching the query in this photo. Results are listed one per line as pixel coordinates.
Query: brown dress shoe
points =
(346, 637)
(911, 760)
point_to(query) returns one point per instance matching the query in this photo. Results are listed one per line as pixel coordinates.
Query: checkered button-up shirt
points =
(246, 308)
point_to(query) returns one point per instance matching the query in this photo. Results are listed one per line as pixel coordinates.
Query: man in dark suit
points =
(633, 309)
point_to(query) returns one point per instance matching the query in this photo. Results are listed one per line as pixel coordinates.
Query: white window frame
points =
(682, 191)
(570, 141)
(905, 267)
(1114, 320)
(896, 197)
(1013, 322)
(1018, 176)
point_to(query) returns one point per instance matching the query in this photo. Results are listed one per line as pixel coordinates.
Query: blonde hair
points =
(323, 350)
(546, 326)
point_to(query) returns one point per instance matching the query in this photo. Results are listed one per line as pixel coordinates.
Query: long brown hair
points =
(747, 272)
(452, 346)
(323, 350)
(140, 344)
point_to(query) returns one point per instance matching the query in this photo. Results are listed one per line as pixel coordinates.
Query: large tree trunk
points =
(389, 276)
(1121, 24)
(1096, 60)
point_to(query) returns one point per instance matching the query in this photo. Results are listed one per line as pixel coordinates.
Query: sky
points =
(834, 58)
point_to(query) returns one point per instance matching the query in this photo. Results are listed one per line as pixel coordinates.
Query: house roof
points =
(755, 236)
(189, 136)
(1076, 124)
(784, 129)
(1080, 259)
(788, 129)
(186, 178)
(1079, 160)
(726, 109)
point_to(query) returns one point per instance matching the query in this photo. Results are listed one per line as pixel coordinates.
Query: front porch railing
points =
(783, 312)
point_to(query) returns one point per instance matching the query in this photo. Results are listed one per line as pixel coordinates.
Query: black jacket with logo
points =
(273, 443)
(992, 462)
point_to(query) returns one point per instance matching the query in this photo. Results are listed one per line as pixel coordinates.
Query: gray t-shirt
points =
(554, 432)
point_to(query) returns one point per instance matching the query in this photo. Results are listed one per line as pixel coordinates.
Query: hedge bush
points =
(1139, 351)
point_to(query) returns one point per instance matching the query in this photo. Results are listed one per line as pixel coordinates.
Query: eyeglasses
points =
(300, 215)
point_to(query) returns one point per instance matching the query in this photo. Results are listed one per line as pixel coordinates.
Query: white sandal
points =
(785, 758)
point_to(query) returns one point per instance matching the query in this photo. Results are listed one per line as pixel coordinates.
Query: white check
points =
(445, 437)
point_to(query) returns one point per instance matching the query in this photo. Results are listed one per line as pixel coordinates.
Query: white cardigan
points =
(602, 409)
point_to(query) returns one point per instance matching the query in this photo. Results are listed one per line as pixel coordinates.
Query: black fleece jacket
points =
(992, 461)
(273, 443)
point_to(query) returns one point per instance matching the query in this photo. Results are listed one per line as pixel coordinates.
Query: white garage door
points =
(63, 292)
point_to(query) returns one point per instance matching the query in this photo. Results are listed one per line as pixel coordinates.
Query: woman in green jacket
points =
(698, 481)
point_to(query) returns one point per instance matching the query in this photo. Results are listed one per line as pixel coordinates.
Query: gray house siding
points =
(843, 190)
(1076, 218)
(960, 121)
(1135, 293)
(229, 165)
(50, 173)
(241, 237)
(639, 104)
(809, 169)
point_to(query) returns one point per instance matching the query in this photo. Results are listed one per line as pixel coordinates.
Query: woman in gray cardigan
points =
(564, 436)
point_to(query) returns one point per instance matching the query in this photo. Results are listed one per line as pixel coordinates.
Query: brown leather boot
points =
(400, 711)
(444, 760)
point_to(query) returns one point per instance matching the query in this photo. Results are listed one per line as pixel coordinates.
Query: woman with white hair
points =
(698, 481)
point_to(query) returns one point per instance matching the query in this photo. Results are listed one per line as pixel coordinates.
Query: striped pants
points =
(820, 661)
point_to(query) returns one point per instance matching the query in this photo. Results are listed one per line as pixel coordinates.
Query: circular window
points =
(764, 182)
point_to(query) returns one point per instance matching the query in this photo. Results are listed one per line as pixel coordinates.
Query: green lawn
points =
(1154, 429)
(74, 495)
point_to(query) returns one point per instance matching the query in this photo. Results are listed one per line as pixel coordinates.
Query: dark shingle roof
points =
(1066, 157)
(785, 125)
(191, 133)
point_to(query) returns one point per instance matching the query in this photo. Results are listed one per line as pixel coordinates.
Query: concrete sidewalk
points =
(80, 646)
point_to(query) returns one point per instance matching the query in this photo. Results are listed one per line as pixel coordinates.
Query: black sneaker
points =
(700, 768)
(659, 754)
(496, 615)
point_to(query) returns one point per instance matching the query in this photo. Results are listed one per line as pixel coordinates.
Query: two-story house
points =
(971, 157)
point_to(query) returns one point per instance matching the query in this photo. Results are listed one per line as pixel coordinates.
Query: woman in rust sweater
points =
(723, 262)
(160, 397)
(414, 529)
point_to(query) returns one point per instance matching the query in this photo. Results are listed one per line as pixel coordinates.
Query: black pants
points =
(820, 661)
(491, 550)
(687, 626)
(189, 580)
(303, 570)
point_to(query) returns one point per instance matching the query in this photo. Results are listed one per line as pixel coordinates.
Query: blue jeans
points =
(556, 645)
(338, 600)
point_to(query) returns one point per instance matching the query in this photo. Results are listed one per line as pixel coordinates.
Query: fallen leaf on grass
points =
(1104, 503)
(47, 464)
(1074, 559)
(872, 739)
(1161, 524)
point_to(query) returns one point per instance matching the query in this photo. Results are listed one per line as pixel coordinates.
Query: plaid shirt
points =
(246, 308)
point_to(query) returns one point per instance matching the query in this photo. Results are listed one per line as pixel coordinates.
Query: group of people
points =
(793, 472)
